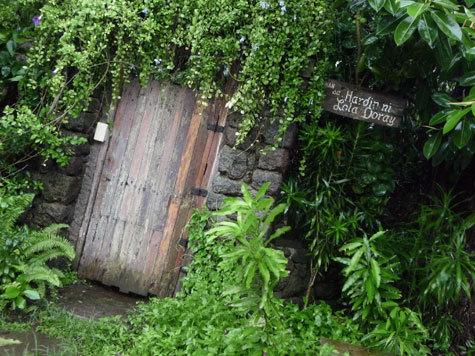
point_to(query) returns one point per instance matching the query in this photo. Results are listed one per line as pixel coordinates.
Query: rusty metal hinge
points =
(183, 242)
(215, 128)
(198, 191)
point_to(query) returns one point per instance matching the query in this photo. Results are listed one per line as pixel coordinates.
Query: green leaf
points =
(405, 29)
(417, 9)
(280, 231)
(453, 118)
(375, 272)
(391, 6)
(428, 30)
(11, 292)
(11, 46)
(387, 25)
(446, 4)
(245, 193)
(462, 134)
(438, 118)
(376, 4)
(32, 294)
(20, 302)
(350, 281)
(262, 190)
(468, 79)
(5, 71)
(443, 52)
(443, 99)
(370, 289)
(432, 145)
(447, 25)
(354, 261)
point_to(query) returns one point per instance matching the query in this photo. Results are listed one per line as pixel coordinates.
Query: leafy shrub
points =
(25, 252)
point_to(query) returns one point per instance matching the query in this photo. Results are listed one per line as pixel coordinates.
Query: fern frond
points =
(11, 207)
(46, 256)
(37, 274)
(54, 229)
(43, 242)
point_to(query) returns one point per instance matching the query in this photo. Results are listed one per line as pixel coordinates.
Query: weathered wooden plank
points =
(351, 101)
(179, 190)
(112, 241)
(125, 110)
(167, 171)
(112, 181)
(134, 241)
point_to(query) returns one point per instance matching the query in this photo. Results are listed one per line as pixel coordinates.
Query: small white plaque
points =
(102, 130)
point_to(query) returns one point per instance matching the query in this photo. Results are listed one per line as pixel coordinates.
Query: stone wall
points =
(248, 163)
(56, 203)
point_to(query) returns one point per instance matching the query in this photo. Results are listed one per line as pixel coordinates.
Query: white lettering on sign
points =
(348, 100)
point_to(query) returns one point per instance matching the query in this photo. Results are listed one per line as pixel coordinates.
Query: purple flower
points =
(157, 61)
(241, 40)
(283, 9)
(53, 72)
(145, 11)
(74, 11)
(311, 102)
(108, 8)
(264, 4)
(132, 67)
(36, 20)
(285, 99)
(282, 4)
(225, 72)
(255, 47)
(295, 17)
(159, 69)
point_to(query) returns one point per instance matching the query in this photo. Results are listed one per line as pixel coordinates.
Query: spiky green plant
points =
(24, 255)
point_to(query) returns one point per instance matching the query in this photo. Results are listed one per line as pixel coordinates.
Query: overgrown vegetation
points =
(363, 197)
(24, 253)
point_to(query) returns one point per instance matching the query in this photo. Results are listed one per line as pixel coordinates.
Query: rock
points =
(326, 290)
(277, 159)
(94, 105)
(60, 188)
(84, 122)
(74, 167)
(250, 141)
(293, 284)
(234, 119)
(214, 200)
(233, 162)
(301, 256)
(52, 213)
(283, 242)
(224, 185)
(259, 177)
(271, 130)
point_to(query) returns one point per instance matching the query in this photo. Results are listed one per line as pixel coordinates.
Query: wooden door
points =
(162, 147)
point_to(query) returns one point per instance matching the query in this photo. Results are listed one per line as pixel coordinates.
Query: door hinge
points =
(215, 128)
(183, 242)
(200, 192)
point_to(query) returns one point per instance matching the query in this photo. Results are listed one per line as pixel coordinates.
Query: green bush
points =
(24, 253)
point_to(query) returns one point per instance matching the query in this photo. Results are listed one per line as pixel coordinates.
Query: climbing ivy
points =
(263, 45)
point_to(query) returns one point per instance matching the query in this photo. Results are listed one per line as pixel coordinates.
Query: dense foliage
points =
(24, 253)
(406, 257)
(78, 45)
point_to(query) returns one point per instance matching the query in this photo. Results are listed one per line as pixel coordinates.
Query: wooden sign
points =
(350, 101)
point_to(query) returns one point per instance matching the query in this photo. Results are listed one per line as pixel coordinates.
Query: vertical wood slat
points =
(125, 109)
(217, 117)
